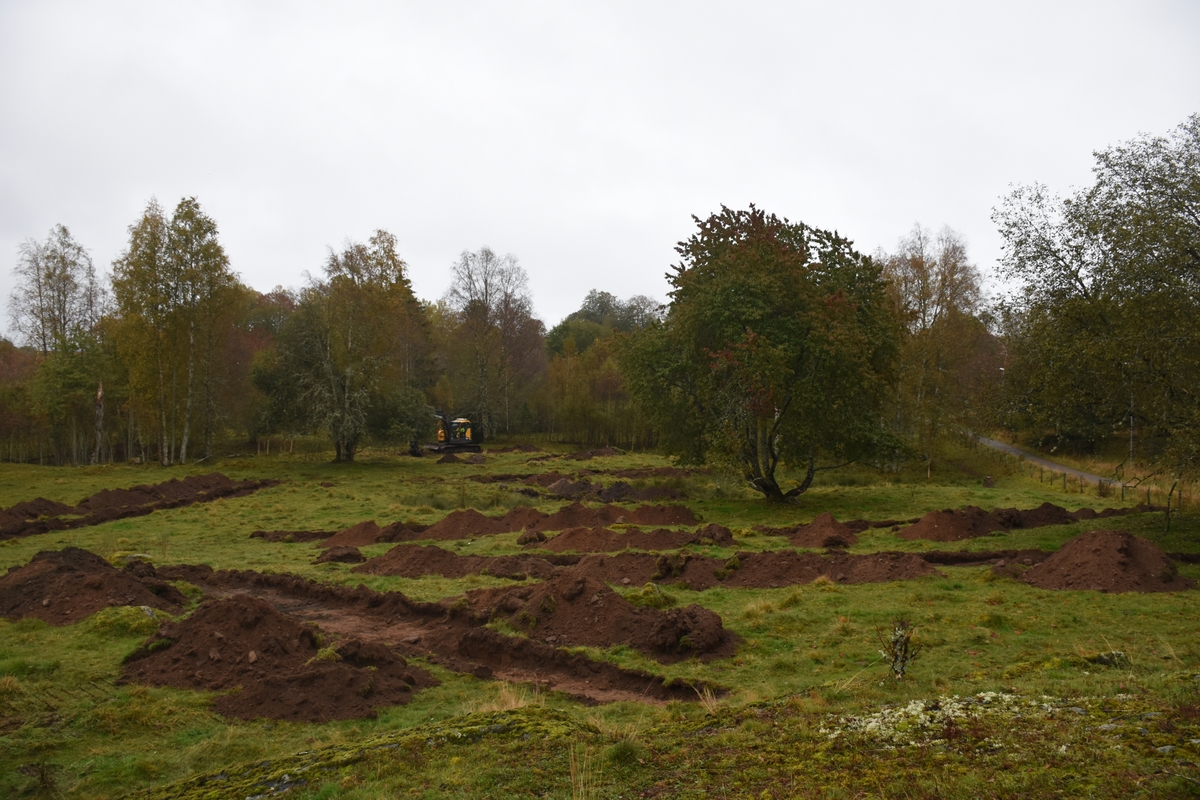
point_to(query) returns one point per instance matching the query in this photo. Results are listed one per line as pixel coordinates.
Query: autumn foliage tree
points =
(174, 290)
(339, 362)
(1101, 331)
(778, 345)
(947, 355)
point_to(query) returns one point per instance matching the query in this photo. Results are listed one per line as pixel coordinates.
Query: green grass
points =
(808, 658)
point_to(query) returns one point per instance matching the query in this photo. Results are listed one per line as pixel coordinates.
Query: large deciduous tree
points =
(57, 305)
(946, 352)
(349, 359)
(495, 334)
(778, 344)
(174, 292)
(1102, 331)
(57, 298)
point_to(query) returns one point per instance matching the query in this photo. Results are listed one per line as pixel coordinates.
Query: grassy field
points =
(810, 712)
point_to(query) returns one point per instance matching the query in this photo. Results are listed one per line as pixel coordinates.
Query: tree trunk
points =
(164, 455)
(99, 421)
(187, 403)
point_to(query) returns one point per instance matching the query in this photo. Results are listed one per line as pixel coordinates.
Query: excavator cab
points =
(454, 436)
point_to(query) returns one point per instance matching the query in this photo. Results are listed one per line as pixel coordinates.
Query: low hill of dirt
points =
(573, 608)
(413, 561)
(452, 633)
(41, 515)
(824, 531)
(242, 641)
(603, 540)
(1108, 561)
(62, 587)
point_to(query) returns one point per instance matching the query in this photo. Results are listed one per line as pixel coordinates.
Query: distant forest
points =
(778, 344)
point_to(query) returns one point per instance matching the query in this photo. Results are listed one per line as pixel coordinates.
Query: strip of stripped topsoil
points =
(690, 570)
(41, 515)
(569, 610)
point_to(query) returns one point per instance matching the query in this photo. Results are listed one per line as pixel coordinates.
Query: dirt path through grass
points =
(483, 652)
(1041, 462)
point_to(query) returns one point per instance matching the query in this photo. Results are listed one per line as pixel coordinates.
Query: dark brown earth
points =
(752, 570)
(747, 570)
(341, 555)
(360, 535)
(470, 524)
(62, 587)
(413, 561)
(451, 633)
(953, 525)
(619, 492)
(575, 609)
(1108, 561)
(824, 531)
(41, 515)
(242, 641)
(603, 540)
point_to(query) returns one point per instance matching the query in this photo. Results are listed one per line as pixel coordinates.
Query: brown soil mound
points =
(752, 570)
(413, 561)
(785, 568)
(465, 524)
(112, 504)
(531, 537)
(522, 517)
(446, 633)
(544, 479)
(341, 555)
(824, 531)
(449, 458)
(951, 525)
(575, 609)
(65, 586)
(1108, 561)
(243, 641)
(32, 509)
(572, 490)
(292, 536)
(578, 515)
(603, 540)
(360, 535)
(663, 515)
(1043, 515)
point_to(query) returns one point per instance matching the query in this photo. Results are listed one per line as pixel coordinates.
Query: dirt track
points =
(453, 635)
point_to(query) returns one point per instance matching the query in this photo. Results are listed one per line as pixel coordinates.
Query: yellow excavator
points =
(453, 436)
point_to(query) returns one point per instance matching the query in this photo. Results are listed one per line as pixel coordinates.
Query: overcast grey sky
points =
(578, 137)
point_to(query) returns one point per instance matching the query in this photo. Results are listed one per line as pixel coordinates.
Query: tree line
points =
(780, 343)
